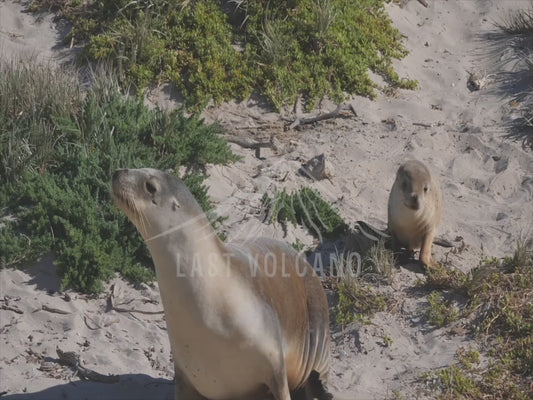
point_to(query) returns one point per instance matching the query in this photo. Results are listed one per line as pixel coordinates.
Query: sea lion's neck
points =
(191, 268)
(190, 251)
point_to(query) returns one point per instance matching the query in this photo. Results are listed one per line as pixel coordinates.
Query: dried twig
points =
(334, 114)
(111, 302)
(423, 124)
(85, 318)
(73, 360)
(54, 310)
(251, 144)
(424, 3)
(10, 308)
(376, 234)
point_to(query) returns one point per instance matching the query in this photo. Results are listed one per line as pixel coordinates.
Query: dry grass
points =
(499, 311)
(518, 22)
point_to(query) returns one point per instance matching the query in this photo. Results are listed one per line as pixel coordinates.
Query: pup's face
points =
(415, 184)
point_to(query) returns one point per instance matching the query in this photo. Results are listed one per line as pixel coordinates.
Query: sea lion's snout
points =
(119, 181)
(413, 201)
(123, 189)
(118, 174)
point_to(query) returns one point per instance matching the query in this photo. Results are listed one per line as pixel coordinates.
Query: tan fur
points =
(244, 319)
(413, 213)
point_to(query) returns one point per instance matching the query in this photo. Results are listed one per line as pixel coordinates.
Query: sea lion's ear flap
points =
(175, 205)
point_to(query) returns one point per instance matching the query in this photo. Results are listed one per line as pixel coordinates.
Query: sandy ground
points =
(462, 134)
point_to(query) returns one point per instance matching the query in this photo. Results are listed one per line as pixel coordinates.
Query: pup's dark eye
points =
(426, 189)
(150, 188)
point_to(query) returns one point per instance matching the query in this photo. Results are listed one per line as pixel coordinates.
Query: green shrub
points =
(214, 50)
(304, 207)
(64, 205)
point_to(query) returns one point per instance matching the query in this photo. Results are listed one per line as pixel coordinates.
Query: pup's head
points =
(415, 184)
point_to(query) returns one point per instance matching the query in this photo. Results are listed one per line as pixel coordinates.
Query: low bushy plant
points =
(214, 50)
(64, 205)
(304, 207)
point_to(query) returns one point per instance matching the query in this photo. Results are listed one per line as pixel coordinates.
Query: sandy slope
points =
(486, 177)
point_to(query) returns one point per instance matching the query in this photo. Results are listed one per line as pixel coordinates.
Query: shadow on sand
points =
(512, 77)
(129, 387)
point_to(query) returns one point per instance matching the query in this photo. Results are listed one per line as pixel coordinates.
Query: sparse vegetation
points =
(518, 23)
(440, 312)
(387, 340)
(59, 147)
(440, 276)
(453, 383)
(500, 311)
(379, 262)
(214, 50)
(357, 301)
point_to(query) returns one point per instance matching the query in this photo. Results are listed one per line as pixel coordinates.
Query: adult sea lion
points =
(245, 320)
(415, 209)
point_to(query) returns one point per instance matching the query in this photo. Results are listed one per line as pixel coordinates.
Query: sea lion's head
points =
(415, 184)
(155, 201)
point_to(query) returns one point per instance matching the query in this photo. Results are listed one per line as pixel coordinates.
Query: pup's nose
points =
(414, 201)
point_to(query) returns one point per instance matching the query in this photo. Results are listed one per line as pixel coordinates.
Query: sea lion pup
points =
(244, 319)
(415, 209)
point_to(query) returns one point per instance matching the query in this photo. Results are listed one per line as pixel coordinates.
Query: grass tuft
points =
(357, 301)
(379, 262)
(518, 22)
(440, 312)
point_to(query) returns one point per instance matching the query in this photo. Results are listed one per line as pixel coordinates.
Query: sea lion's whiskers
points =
(175, 228)
(141, 217)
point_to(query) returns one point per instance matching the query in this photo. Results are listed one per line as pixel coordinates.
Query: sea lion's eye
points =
(404, 185)
(150, 188)
(426, 189)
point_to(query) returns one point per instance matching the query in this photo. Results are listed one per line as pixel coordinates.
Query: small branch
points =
(54, 310)
(128, 310)
(376, 234)
(440, 241)
(111, 300)
(251, 144)
(424, 3)
(73, 360)
(341, 108)
(423, 124)
(262, 126)
(9, 308)
(85, 318)
(372, 232)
